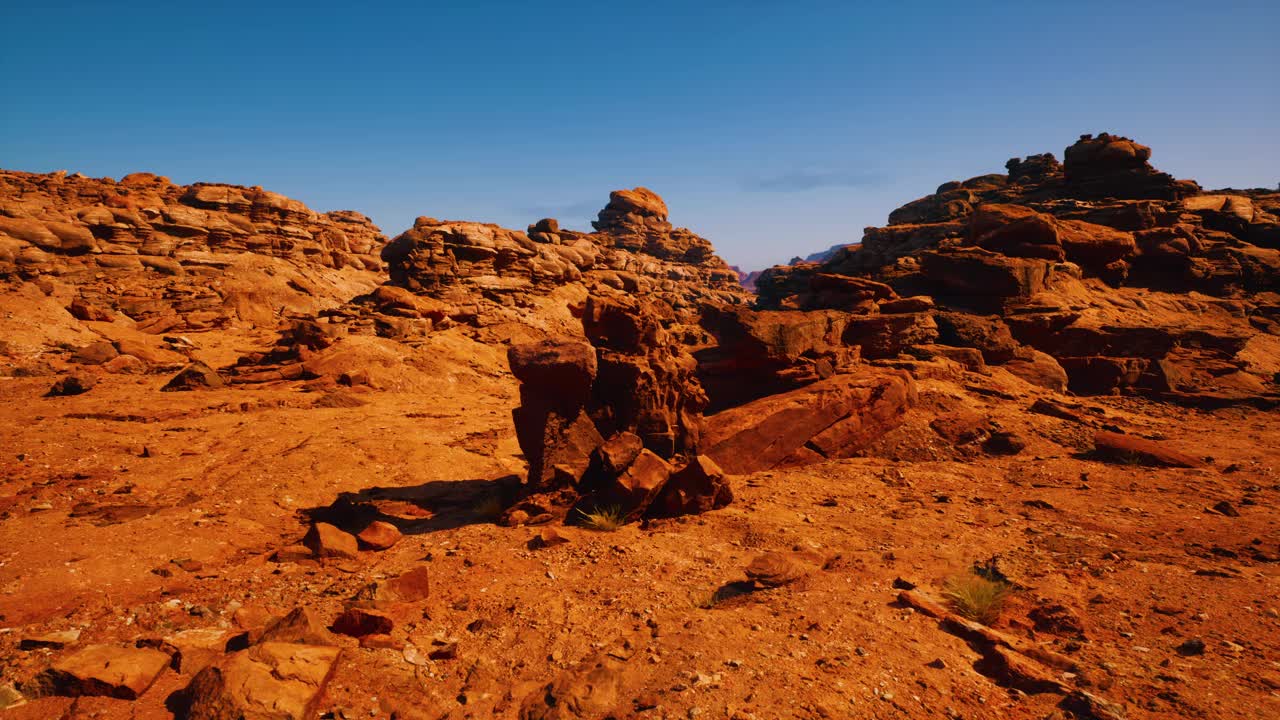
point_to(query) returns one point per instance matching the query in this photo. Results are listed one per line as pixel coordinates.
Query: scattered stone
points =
(1057, 619)
(10, 697)
(1194, 646)
(358, 622)
(380, 642)
(74, 384)
(301, 626)
(550, 537)
(327, 541)
(773, 570)
(293, 553)
(193, 650)
(55, 640)
(379, 535)
(443, 651)
(1226, 508)
(589, 689)
(409, 587)
(188, 564)
(196, 376)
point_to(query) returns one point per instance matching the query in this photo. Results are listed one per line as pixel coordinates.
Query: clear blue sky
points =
(773, 128)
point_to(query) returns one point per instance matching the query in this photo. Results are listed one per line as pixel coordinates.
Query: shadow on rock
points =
(429, 507)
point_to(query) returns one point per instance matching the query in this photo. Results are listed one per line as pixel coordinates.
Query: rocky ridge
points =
(1100, 274)
(141, 258)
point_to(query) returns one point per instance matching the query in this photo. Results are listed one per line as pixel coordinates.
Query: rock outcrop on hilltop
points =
(475, 267)
(175, 258)
(1100, 270)
(444, 274)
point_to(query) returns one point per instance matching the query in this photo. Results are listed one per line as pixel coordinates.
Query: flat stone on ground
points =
(118, 672)
(271, 681)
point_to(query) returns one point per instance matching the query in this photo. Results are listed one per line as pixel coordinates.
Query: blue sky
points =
(772, 128)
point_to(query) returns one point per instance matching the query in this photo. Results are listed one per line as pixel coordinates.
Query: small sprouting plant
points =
(977, 597)
(604, 519)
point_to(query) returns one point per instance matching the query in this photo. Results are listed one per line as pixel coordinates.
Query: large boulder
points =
(977, 273)
(647, 381)
(1130, 449)
(634, 384)
(1117, 167)
(558, 370)
(634, 489)
(1038, 368)
(833, 418)
(988, 334)
(1094, 246)
(1015, 230)
(886, 336)
(699, 487)
(556, 377)
(759, 352)
(636, 220)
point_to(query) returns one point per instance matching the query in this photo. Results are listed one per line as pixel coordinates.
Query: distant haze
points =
(774, 129)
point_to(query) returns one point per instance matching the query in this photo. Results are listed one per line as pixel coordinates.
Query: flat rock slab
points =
(108, 670)
(56, 640)
(1127, 448)
(833, 418)
(271, 681)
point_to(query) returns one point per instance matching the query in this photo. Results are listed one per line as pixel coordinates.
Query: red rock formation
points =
(834, 418)
(162, 254)
(1085, 267)
(631, 383)
(635, 249)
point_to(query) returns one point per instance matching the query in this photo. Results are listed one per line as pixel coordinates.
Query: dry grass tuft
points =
(976, 597)
(605, 519)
